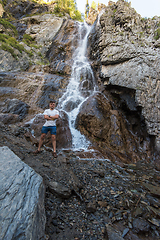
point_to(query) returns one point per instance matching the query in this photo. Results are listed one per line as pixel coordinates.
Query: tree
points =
(68, 6)
(87, 9)
(93, 5)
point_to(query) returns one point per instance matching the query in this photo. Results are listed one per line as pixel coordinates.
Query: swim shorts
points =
(52, 130)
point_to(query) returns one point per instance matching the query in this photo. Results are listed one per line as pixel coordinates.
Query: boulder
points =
(59, 189)
(22, 214)
(63, 137)
(107, 128)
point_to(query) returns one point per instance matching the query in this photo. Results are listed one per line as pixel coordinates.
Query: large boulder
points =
(63, 137)
(22, 214)
(127, 50)
(107, 128)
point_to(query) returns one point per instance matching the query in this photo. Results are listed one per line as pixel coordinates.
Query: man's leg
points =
(41, 141)
(53, 139)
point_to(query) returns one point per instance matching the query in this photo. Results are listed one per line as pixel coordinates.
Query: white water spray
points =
(81, 86)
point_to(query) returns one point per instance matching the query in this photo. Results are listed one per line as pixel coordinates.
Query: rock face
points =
(126, 52)
(21, 8)
(22, 214)
(39, 28)
(109, 130)
(62, 48)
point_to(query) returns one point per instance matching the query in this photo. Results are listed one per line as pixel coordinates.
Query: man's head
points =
(52, 104)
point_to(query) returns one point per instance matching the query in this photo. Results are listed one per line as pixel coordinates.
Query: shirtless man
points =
(51, 115)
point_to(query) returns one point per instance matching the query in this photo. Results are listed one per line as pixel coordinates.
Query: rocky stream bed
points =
(88, 196)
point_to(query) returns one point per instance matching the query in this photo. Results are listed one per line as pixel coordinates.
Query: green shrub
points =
(157, 34)
(7, 48)
(27, 39)
(6, 24)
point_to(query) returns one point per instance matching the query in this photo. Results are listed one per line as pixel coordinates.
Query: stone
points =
(22, 213)
(141, 225)
(59, 189)
(155, 190)
(112, 234)
(91, 207)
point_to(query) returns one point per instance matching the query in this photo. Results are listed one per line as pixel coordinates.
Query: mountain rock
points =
(22, 199)
(108, 130)
(126, 54)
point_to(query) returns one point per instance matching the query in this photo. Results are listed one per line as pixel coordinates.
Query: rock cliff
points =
(125, 53)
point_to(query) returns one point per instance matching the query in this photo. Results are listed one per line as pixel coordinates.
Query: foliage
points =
(87, 9)
(3, 2)
(7, 48)
(7, 25)
(67, 6)
(9, 43)
(27, 39)
(93, 5)
(157, 34)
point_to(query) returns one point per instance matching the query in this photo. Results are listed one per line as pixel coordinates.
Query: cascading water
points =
(81, 86)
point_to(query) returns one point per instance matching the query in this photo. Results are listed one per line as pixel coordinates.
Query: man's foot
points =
(37, 152)
(54, 154)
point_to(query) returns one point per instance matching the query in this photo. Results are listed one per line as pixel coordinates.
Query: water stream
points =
(80, 87)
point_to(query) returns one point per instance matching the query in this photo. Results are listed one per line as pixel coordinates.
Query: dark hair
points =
(52, 101)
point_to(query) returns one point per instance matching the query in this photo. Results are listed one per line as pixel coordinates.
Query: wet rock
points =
(20, 186)
(59, 189)
(141, 225)
(53, 88)
(107, 128)
(63, 48)
(64, 137)
(16, 106)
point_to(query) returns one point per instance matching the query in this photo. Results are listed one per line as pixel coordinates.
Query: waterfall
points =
(81, 85)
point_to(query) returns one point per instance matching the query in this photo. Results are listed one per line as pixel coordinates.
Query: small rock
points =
(58, 188)
(91, 207)
(141, 225)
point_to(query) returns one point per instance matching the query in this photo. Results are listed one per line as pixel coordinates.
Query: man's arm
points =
(47, 117)
(54, 117)
(51, 117)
